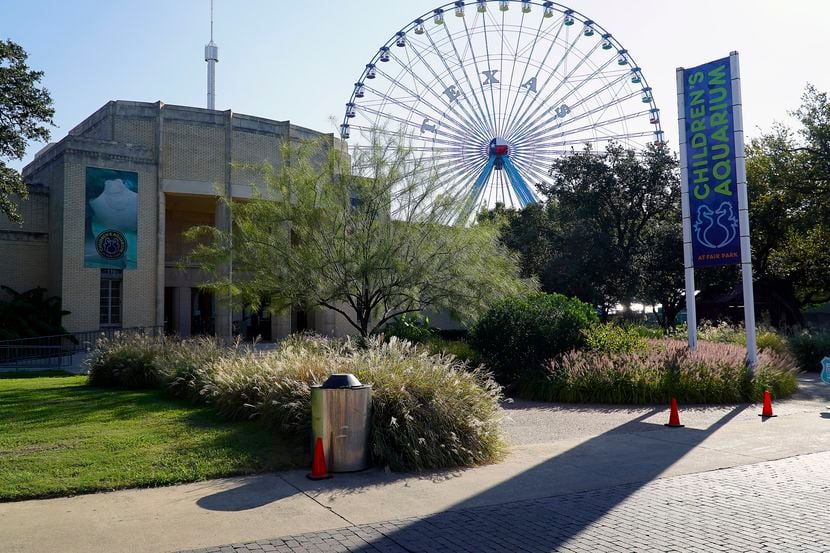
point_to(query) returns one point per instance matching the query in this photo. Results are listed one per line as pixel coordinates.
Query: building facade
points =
(109, 204)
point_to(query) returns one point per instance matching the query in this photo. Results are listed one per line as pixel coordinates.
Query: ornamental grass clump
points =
(430, 410)
(184, 364)
(236, 383)
(271, 385)
(285, 401)
(125, 360)
(714, 373)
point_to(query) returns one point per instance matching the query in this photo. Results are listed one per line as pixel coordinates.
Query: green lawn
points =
(59, 436)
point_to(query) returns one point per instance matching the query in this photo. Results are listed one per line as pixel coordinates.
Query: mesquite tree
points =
(365, 236)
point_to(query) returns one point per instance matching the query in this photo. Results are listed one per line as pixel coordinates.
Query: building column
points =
(224, 221)
(224, 310)
(182, 311)
(160, 261)
(280, 325)
(161, 217)
(324, 322)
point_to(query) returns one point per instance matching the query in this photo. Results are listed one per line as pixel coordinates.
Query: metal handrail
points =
(47, 348)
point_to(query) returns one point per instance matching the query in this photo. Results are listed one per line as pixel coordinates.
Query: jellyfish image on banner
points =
(111, 223)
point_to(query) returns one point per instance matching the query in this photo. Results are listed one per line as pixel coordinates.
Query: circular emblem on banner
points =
(111, 244)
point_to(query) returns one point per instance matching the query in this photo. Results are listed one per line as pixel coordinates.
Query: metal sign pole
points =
(688, 264)
(743, 213)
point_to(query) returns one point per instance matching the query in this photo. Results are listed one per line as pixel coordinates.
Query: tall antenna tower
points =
(212, 58)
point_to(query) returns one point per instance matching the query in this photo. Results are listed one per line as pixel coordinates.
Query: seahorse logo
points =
(825, 370)
(716, 233)
(728, 222)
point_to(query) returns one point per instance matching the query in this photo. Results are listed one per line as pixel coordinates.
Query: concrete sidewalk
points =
(760, 507)
(557, 450)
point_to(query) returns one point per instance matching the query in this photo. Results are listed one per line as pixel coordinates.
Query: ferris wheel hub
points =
(499, 147)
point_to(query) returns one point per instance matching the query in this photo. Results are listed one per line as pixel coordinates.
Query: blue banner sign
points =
(710, 155)
(111, 222)
(825, 370)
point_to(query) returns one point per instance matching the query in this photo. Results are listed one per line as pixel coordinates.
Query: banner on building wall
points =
(111, 218)
(711, 164)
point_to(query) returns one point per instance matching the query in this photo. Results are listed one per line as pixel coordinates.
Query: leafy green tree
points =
(661, 265)
(25, 110)
(789, 202)
(364, 239)
(533, 233)
(604, 204)
(553, 246)
(605, 233)
(814, 115)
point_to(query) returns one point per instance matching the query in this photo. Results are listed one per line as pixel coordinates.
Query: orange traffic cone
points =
(674, 416)
(767, 410)
(318, 465)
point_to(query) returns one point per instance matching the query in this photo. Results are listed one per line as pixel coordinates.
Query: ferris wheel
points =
(491, 92)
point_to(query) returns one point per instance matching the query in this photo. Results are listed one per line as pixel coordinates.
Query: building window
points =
(111, 280)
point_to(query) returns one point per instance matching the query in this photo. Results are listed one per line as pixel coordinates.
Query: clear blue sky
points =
(298, 60)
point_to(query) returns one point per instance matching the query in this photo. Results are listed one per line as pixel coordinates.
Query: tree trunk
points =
(364, 325)
(670, 312)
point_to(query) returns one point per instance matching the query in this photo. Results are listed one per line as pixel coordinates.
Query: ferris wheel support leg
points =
(478, 188)
(518, 183)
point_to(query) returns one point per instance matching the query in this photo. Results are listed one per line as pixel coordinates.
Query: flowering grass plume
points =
(713, 373)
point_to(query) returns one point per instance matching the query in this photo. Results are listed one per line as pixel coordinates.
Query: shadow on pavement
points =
(590, 480)
(540, 509)
(523, 404)
(611, 467)
(250, 495)
(810, 387)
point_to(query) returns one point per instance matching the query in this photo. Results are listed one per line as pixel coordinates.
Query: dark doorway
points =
(168, 310)
(265, 325)
(299, 320)
(257, 324)
(202, 317)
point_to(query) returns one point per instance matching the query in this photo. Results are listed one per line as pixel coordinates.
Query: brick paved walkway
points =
(773, 506)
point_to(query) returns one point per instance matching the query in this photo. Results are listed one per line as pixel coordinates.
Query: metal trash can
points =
(341, 416)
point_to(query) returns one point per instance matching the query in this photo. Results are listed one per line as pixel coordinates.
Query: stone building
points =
(162, 166)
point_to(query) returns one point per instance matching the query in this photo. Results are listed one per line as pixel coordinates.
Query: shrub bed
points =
(714, 373)
(520, 334)
(613, 338)
(765, 338)
(430, 410)
(809, 348)
(413, 328)
(459, 348)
